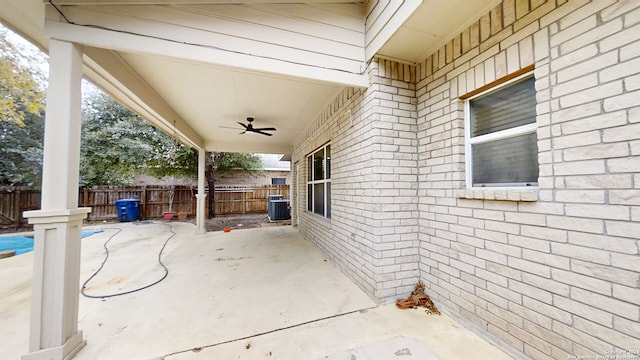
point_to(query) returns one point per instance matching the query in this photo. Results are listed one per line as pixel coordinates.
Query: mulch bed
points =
(235, 222)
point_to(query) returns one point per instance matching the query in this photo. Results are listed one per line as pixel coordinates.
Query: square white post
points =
(201, 196)
(56, 260)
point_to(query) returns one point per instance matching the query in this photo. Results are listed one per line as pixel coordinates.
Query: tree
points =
(117, 144)
(223, 161)
(22, 82)
(21, 114)
(21, 152)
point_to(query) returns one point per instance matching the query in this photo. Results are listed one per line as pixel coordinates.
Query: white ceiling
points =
(208, 98)
(213, 99)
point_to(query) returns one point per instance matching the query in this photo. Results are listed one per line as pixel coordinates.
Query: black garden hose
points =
(118, 230)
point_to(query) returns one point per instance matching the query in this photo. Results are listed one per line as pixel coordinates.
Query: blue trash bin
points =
(128, 209)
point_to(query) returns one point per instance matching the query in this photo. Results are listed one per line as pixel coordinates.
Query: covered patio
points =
(378, 105)
(246, 294)
(197, 70)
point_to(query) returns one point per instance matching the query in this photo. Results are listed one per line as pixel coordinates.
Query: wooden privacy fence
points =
(154, 200)
(14, 203)
(246, 200)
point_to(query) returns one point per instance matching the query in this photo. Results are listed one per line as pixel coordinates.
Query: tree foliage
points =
(117, 144)
(225, 161)
(21, 152)
(21, 115)
(21, 83)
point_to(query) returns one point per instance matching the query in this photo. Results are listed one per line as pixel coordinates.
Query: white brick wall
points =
(548, 273)
(373, 232)
(548, 261)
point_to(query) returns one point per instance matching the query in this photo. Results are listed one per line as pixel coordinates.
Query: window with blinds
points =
(501, 139)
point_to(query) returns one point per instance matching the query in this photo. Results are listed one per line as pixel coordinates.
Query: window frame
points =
(326, 181)
(469, 141)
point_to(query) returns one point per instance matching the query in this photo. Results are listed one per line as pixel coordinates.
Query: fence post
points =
(143, 202)
(16, 208)
(85, 197)
(192, 204)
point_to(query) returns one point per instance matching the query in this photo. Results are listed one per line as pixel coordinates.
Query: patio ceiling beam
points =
(156, 46)
(238, 146)
(113, 75)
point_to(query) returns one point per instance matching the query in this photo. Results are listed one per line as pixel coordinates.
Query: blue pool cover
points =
(22, 244)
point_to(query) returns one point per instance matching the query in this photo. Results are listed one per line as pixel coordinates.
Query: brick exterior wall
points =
(373, 233)
(238, 177)
(231, 177)
(551, 272)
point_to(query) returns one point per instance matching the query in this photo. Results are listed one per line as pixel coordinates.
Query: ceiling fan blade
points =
(228, 127)
(260, 132)
(266, 129)
(243, 125)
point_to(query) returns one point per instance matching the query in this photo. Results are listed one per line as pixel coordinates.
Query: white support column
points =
(56, 261)
(201, 196)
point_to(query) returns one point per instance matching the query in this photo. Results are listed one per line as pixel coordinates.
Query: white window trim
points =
(324, 181)
(503, 134)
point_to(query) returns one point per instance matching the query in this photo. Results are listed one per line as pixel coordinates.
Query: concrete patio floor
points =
(262, 293)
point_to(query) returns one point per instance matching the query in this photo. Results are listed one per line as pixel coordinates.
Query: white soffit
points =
(432, 25)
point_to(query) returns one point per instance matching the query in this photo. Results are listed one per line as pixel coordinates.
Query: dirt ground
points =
(236, 222)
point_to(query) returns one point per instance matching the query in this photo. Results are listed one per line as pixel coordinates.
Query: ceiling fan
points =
(249, 128)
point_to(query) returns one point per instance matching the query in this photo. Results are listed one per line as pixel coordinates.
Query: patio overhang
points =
(196, 67)
(211, 66)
